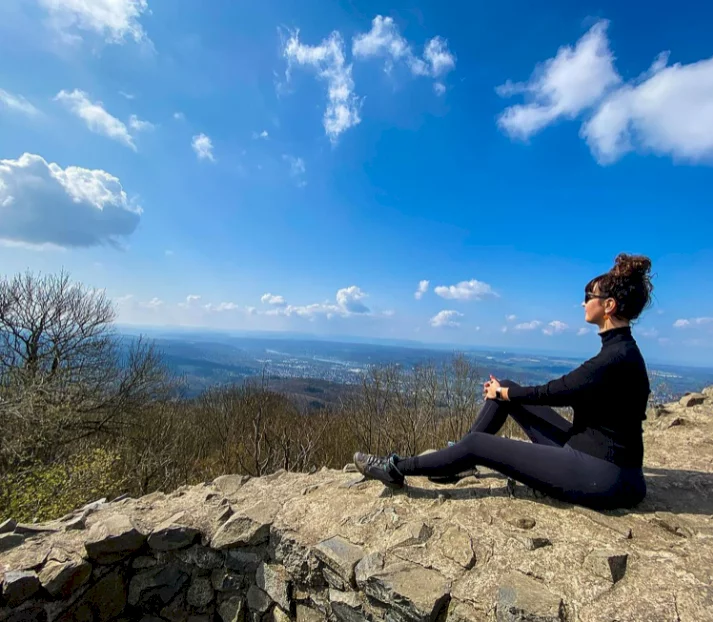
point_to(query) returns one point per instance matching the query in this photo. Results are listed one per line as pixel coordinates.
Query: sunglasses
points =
(589, 295)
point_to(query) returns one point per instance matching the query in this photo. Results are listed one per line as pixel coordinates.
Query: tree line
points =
(86, 413)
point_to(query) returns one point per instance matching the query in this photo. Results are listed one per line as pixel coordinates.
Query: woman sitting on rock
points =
(594, 461)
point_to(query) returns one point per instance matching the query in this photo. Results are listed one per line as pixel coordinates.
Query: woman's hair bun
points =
(631, 265)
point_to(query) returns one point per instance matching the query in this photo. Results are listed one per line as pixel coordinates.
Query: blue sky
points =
(304, 166)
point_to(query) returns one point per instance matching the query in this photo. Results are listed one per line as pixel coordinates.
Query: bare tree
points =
(65, 374)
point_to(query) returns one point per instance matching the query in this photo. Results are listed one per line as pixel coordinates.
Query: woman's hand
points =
(490, 387)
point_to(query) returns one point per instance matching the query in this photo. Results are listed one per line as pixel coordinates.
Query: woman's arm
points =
(563, 391)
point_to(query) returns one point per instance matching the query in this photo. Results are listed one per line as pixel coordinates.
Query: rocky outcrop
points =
(330, 546)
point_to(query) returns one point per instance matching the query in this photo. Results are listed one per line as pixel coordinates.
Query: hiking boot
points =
(382, 468)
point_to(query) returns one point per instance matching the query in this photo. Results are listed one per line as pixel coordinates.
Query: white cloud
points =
(555, 327)
(503, 329)
(138, 125)
(422, 289)
(154, 303)
(42, 203)
(127, 95)
(97, 119)
(272, 299)
(17, 103)
(563, 86)
(115, 20)
(439, 88)
(667, 112)
(446, 319)
(694, 321)
(439, 58)
(297, 169)
(511, 318)
(264, 135)
(649, 333)
(385, 40)
(225, 306)
(191, 300)
(349, 298)
(203, 146)
(465, 290)
(528, 325)
(348, 303)
(328, 60)
(583, 331)
(179, 116)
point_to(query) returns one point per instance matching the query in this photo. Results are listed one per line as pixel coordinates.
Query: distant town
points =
(207, 358)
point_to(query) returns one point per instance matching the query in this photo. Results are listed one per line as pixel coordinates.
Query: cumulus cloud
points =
(385, 41)
(328, 60)
(191, 301)
(96, 118)
(465, 290)
(297, 169)
(272, 299)
(667, 112)
(528, 325)
(42, 203)
(583, 331)
(511, 317)
(154, 303)
(350, 299)
(563, 86)
(555, 327)
(203, 146)
(114, 20)
(264, 135)
(649, 333)
(446, 319)
(348, 302)
(138, 125)
(17, 103)
(694, 321)
(422, 289)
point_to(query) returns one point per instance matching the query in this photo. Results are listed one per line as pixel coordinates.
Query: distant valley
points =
(318, 372)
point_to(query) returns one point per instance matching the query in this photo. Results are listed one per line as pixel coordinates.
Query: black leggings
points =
(547, 464)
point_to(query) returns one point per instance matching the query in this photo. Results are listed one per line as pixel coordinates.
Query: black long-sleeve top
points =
(608, 394)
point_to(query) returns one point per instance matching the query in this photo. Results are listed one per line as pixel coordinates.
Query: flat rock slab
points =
(272, 579)
(692, 399)
(19, 586)
(522, 599)
(172, 535)
(63, 574)
(418, 594)
(248, 528)
(341, 556)
(10, 541)
(113, 539)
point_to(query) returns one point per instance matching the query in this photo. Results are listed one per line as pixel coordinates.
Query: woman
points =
(594, 461)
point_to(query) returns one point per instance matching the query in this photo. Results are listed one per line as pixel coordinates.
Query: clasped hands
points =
(489, 388)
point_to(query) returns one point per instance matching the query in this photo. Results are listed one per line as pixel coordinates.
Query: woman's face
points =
(594, 306)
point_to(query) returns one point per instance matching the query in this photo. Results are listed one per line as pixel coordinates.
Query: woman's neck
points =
(610, 323)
